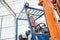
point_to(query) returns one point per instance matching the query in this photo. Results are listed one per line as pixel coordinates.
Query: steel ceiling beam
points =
(6, 5)
(0, 0)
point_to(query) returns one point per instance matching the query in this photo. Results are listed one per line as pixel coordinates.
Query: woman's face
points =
(28, 11)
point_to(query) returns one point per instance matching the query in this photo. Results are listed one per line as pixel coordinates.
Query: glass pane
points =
(8, 21)
(8, 32)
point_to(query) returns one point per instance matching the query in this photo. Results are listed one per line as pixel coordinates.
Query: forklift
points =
(53, 28)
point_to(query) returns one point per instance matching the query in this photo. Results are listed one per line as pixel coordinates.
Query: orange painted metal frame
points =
(51, 19)
(58, 7)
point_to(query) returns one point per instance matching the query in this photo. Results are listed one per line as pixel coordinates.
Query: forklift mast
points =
(52, 22)
(58, 7)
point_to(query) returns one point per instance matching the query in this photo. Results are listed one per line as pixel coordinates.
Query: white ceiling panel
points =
(3, 10)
